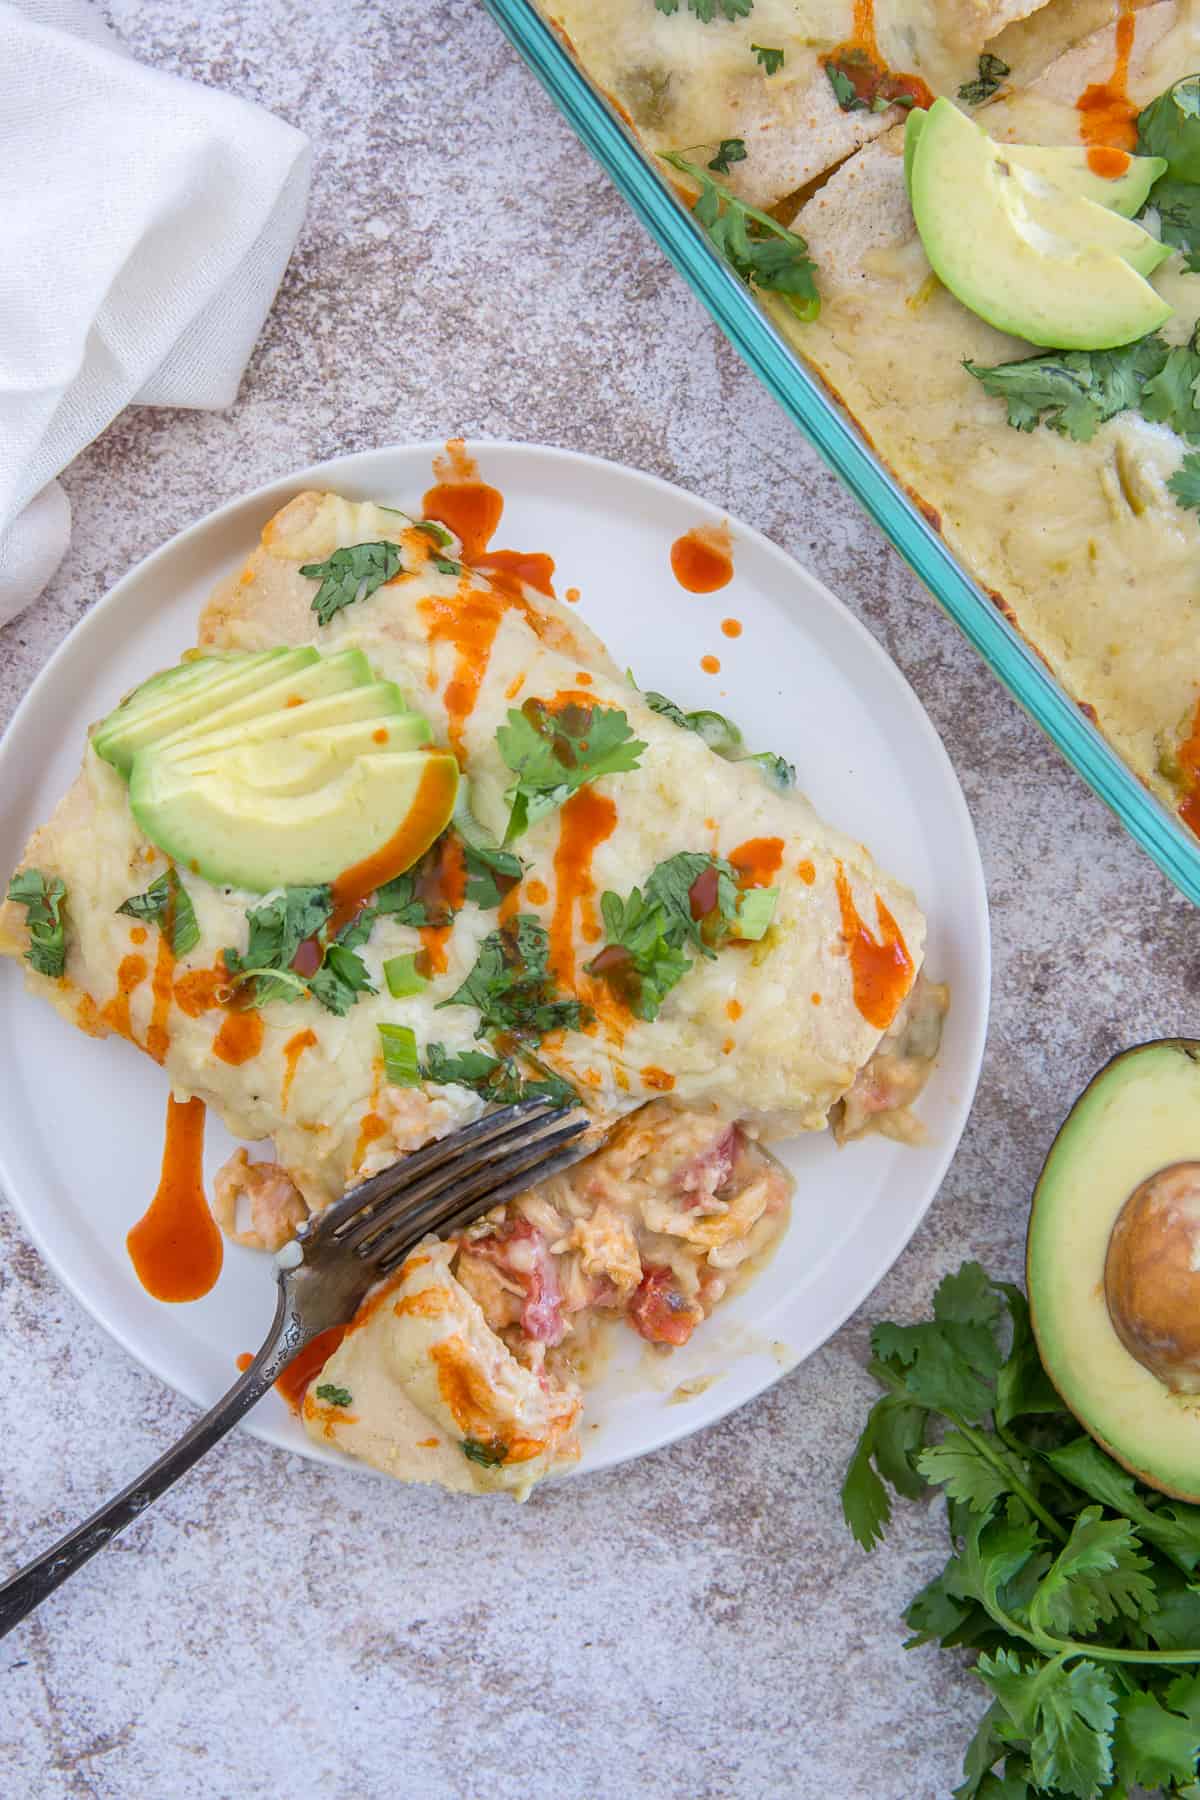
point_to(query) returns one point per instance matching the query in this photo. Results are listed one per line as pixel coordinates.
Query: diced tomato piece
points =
(520, 1249)
(707, 1173)
(660, 1312)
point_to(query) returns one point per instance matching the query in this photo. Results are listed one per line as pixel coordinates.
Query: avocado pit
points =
(1152, 1276)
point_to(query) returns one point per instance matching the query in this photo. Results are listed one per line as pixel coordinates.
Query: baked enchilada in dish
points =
(1001, 289)
(398, 841)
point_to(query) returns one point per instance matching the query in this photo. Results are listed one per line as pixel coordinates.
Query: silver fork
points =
(322, 1276)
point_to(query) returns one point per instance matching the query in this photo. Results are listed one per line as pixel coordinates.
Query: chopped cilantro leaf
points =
(167, 904)
(1178, 206)
(760, 251)
(43, 899)
(491, 873)
(992, 72)
(498, 1079)
(447, 566)
(1073, 391)
(341, 978)
(350, 574)
(860, 84)
(489, 1454)
(511, 986)
(1169, 396)
(277, 929)
(1170, 127)
(732, 150)
(708, 10)
(1185, 482)
(688, 899)
(553, 752)
(771, 61)
(335, 1396)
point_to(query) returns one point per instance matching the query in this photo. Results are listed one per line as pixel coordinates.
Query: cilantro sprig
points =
(553, 751)
(760, 251)
(167, 904)
(44, 899)
(1071, 1581)
(511, 986)
(349, 574)
(1075, 391)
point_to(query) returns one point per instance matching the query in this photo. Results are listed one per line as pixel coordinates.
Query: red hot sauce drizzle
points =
(860, 60)
(881, 969)
(176, 1248)
(1107, 116)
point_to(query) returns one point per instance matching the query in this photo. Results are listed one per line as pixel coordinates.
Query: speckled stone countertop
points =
(698, 1625)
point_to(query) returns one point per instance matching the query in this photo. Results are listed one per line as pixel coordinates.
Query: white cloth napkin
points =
(146, 223)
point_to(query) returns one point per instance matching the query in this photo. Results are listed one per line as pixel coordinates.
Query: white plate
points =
(81, 1123)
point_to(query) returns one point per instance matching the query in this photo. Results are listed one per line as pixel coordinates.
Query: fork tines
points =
(452, 1181)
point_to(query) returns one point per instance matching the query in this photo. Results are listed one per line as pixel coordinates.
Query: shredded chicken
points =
(885, 1087)
(257, 1204)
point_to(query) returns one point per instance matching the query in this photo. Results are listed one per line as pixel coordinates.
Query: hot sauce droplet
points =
(758, 861)
(711, 665)
(731, 627)
(1107, 116)
(176, 1248)
(239, 1039)
(881, 969)
(465, 505)
(587, 819)
(244, 1360)
(702, 559)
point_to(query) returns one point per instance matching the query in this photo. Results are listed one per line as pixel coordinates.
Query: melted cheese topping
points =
(1082, 545)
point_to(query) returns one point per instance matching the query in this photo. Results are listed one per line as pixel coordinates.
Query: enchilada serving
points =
(690, 1051)
(1083, 538)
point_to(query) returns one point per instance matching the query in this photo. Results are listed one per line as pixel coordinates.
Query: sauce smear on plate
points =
(702, 559)
(176, 1248)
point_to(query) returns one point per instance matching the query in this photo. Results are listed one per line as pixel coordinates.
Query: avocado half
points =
(1113, 1263)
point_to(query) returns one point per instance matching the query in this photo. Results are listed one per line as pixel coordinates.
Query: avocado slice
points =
(191, 691)
(1029, 259)
(284, 696)
(295, 763)
(379, 701)
(221, 823)
(1066, 167)
(1113, 1262)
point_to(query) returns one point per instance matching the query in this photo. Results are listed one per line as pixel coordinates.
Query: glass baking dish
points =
(734, 308)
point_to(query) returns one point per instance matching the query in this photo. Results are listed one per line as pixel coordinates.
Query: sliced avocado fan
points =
(282, 768)
(1026, 253)
(1064, 166)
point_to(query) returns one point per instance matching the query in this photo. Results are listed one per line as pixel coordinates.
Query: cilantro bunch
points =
(1073, 1584)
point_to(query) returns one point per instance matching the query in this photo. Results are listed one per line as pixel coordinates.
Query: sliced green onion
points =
(778, 771)
(403, 977)
(437, 532)
(400, 1055)
(755, 913)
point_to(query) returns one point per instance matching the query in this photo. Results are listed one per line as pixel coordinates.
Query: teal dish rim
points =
(838, 442)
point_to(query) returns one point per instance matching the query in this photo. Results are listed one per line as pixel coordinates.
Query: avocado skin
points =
(1138, 1464)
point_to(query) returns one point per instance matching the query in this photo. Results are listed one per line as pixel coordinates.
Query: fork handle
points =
(30, 1585)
